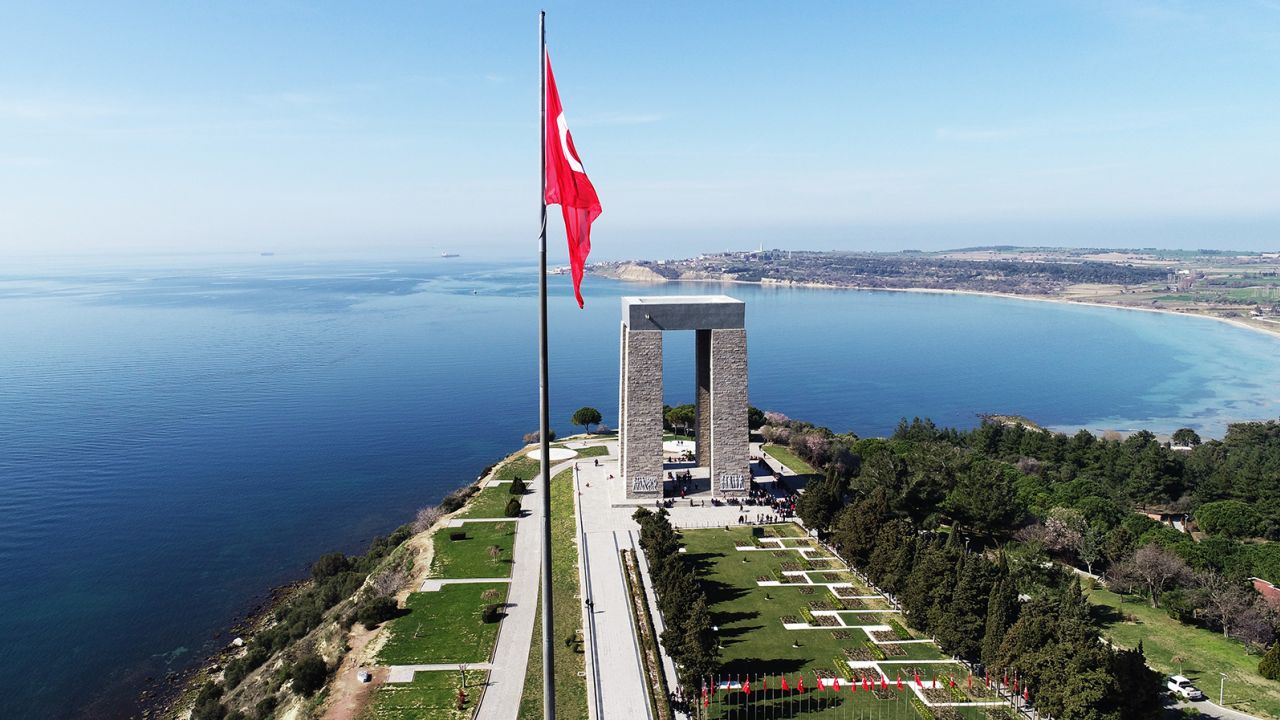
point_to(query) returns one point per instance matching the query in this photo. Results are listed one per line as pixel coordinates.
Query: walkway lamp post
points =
(1222, 686)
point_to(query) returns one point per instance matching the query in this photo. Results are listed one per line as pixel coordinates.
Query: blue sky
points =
(411, 128)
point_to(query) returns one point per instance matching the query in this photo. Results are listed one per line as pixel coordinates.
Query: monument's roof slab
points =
(683, 312)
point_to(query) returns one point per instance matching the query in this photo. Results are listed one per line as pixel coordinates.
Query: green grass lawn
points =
(491, 502)
(593, 451)
(444, 627)
(430, 695)
(1128, 620)
(754, 641)
(571, 689)
(783, 454)
(470, 558)
(522, 466)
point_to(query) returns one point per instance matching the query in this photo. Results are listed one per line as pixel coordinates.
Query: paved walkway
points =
(613, 657)
(404, 673)
(434, 584)
(501, 699)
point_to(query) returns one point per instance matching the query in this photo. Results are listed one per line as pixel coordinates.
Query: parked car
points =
(1182, 687)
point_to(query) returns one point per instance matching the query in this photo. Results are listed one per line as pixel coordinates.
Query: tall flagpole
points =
(544, 420)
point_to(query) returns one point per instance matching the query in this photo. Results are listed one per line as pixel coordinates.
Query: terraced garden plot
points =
(471, 556)
(753, 615)
(430, 695)
(445, 626)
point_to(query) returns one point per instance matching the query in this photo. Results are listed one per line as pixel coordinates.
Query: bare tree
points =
(389, 581)
(1152, 568)
(1256, 626)
(1064, 529)
(426, 517)
(776, 419)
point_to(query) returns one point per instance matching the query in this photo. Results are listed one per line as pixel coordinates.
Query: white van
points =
(1182, 688)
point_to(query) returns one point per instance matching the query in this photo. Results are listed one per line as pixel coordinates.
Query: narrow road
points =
(501, 699)
(1213, 710)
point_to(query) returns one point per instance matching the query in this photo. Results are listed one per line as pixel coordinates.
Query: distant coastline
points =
(1270, 328)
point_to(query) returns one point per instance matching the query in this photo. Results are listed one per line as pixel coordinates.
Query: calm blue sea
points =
(175, 441)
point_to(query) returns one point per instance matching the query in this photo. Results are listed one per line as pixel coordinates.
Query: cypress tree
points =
(1002, 611)
(1269, 666)
(698, 657)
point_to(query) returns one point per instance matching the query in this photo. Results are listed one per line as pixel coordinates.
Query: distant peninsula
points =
(1241, 287)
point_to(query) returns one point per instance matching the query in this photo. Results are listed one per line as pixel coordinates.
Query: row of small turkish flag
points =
(866, 684)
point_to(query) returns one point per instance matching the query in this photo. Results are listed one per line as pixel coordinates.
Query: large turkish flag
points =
(567, 184)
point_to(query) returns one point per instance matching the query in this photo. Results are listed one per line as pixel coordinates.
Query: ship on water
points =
(449, 254)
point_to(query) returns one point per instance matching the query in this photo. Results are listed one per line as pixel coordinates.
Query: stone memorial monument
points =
(720, 370)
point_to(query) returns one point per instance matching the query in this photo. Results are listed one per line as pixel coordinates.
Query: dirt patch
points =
(347, 695)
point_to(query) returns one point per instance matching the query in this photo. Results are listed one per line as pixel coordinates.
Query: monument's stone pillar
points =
(622, 391)
(730, 464)
(702, 395)
(642, 390)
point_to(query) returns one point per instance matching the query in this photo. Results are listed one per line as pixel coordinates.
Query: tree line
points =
(688, 638)
(1020, 496)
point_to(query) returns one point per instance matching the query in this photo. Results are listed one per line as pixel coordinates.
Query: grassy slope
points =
(1206, 653)
(490, 502)
(784, 455)
(470, 558)
(571, 690)
(522, 466)
(754, 641)
(430, 695)
(443, 627)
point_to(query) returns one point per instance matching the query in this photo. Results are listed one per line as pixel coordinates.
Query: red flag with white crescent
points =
(784, 684)
(567, 184)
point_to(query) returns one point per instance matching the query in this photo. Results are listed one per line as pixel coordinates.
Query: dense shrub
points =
(330, 564)
(208, 705)
(241, 666)
(377, 610)
(518, 487)
(265, 707)
(457, 534)
(309, 675)
(513, 508)
(457, 498)
(492, 613)
(1269, 667)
